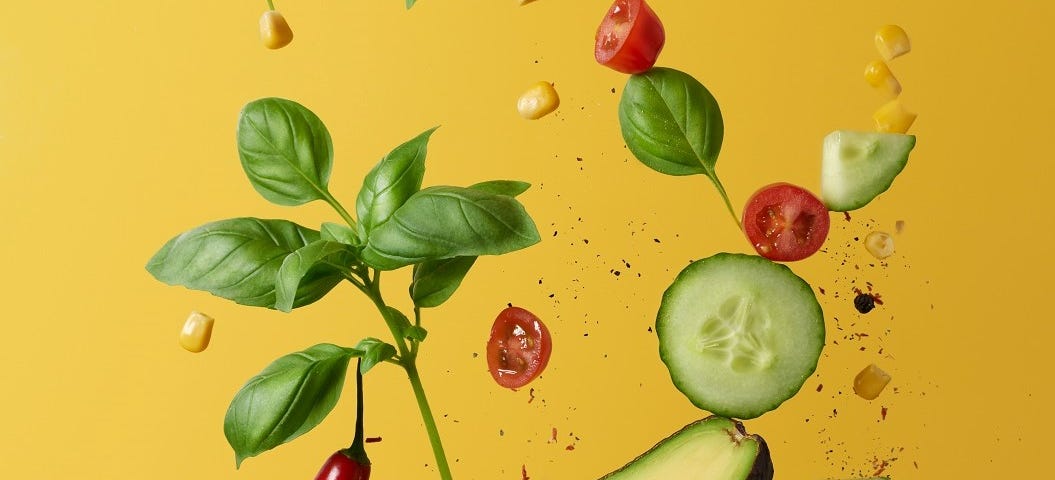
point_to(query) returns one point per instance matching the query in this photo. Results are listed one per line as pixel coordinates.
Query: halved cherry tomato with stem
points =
(630, 37)
(785, 222)
(519, 348)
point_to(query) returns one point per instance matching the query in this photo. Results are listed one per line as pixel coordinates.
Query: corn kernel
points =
(879, 244)
(892, 42)
(538, 101)
(274, 30)
(879, 76)
(893, 118)
(196, 333)
(870, 382)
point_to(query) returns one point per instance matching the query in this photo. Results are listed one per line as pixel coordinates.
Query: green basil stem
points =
(728, 204)
(357, 451)
(337, 206)
(430, 423)
(408, 360)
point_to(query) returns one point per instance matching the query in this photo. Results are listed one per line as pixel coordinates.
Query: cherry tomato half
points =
(519, 348)
(785, 222)
(630, 37)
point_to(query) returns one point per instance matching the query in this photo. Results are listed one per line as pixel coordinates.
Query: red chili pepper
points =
(340, 467)
(350, 463)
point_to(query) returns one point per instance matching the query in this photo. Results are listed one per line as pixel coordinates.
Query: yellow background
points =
(117, 132)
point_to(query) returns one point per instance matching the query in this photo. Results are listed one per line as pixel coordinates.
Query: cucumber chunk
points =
(714, 448)
(857, 166)
(739, 334)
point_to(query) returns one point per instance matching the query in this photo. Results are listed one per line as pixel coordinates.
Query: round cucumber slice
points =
(739, 334)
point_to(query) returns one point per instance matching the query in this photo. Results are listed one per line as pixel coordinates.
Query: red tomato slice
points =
(519, 348)
(785, 222)
(630, 37)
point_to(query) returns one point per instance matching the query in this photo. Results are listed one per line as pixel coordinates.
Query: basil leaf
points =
(436, 280)
(397, 316)
(319, 258)
(286, 151)
(392, 181)
(509, 188)
(238, 259)
(287, 399)
(672, 124)
(374, 352)
(416, 333)
(335, 232)
(445, 222)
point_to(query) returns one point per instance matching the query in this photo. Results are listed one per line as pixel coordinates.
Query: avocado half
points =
(715, 448)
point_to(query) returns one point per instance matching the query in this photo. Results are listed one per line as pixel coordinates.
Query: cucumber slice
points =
(739, 334)
(714, 448)
(858, 166)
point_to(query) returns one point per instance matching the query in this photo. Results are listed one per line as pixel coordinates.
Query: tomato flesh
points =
(630, 37)
(519, 348)
(785, 222)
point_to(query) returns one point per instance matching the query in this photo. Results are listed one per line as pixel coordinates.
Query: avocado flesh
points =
(714, 448)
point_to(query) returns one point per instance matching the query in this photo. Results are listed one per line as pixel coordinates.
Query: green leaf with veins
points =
(416, 333)
(444, 222)
(436, 280)
(374, 352)
(285, 150)
(336, 232)
(320, 256)
(510, 188)
(287, 399)
(392, 181)
(672, 124)
(238, 259)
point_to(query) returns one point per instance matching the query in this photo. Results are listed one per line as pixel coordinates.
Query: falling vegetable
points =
(870, 382)
(892, 117)
(880, 245)
(196, 332)
(714, 448)
(892, 41)
(538, 101)
(878, 75)
(274, 30)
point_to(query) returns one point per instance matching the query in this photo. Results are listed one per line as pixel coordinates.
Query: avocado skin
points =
(761, 469)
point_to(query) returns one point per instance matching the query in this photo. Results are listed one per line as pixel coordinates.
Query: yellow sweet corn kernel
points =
(274, 31)
(892, 42)
(880, 245)
(879, 76)
(870, 382)
(893, 118)
(538, 101)
(196, 333)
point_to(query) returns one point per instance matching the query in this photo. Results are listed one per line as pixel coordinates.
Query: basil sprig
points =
(287, 155)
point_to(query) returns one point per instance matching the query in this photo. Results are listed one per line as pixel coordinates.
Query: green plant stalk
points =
(270, 5)
(728, 204)
(340, 209)
(430, 422)
(408, 360)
